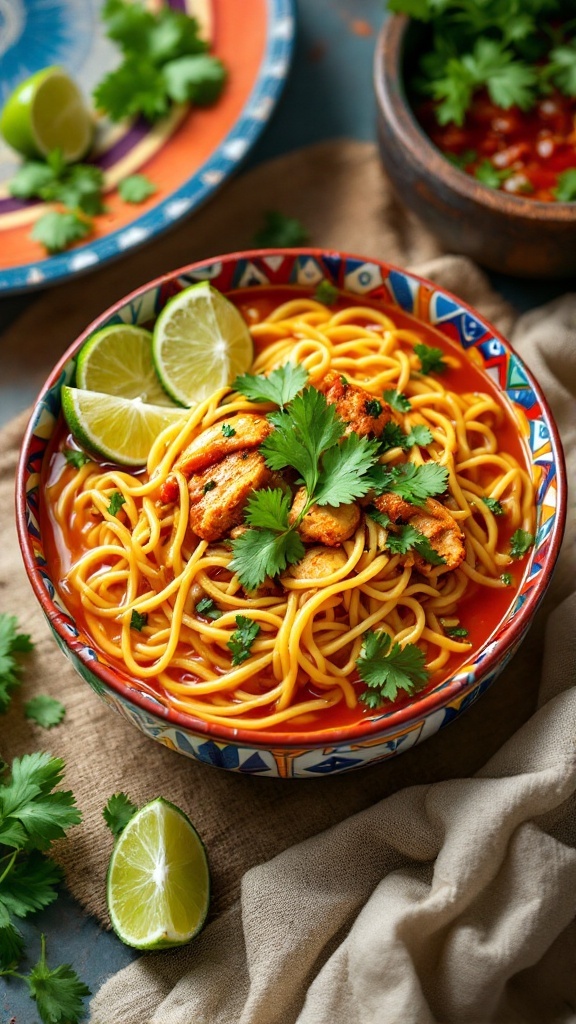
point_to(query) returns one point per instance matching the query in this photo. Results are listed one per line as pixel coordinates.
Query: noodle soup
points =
(312, 617)
(282, 674)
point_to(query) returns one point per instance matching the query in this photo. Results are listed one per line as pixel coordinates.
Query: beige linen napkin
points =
(421, 906)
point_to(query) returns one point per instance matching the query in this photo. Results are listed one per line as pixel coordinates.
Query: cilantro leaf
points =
(227, 430)
(136, 87)
(565, 190)
(116, 501)
(457, 632)
(379, 517)
(27, 798)
(56, 231)
(326, 293)
(242, 638)
(419, 436)
(520, 542)
(404, 538)
(563, 67)
(198, 79)
(118, 812)
(11, 945)
(392, 437)
(279, 387)
(280, 230)
(258, 554)
(136, 188)
(268, 509)
(431, 359)
(342, 476)
(495, 506)
(301, 435)
(161, 35)
(44, 710)
(413, 483)
(11, 642)
(207, 608)
(58, 992)
(30, 885)
(372, 407)
(138, 620)
(397, 400)
(387, 669)
(75, 458)
(31, 178)
(79, 187)
(490, 175)
(506, 578)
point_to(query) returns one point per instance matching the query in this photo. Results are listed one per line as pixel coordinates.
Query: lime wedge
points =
(121, 429)
(201, 343)
(158, 886)
(48, 112)
(118, 361)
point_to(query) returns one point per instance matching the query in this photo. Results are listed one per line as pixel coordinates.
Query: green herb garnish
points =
(326, 293)
(520, 542)
(240, 643)
(116, 501)
(75, 458)
(397, 400)
(136, 188)
(565, 191)
(387, 669)
(431, 359)
(227, 430)
(496, 508)
(207, 608)
(138, 620)
(405, 538)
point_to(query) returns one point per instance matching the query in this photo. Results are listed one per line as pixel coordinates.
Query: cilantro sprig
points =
(516, 52)
(240, 643)
(118, 812)
(12, 642)
(406, 538)
(520, 542)
(387, 668)
(34, 813)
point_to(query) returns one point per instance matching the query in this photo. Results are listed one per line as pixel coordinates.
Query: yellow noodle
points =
(146, 560)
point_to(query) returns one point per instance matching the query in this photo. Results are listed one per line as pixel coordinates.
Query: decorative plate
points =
(187, 155)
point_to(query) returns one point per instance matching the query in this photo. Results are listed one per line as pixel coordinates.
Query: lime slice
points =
(48, 112)
(200, 344)
(121, 429)
(158, 886)
(118, 361)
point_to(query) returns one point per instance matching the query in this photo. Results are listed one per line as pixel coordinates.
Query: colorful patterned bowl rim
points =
(363, 277)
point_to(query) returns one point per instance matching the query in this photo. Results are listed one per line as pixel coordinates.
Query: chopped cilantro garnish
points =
(565, 191)
(280, 230)
(457, 632)
(57, 230)
(279, 387)
(506, 578)
(431, 359)
(136, 188)
(138, 620)
(387, 669)
(372, 407)
(520, 542)
(326, 293)
(379, 517)
(116, 501)
(403, 538)
(227, 430)
(207, 608)
(75, 458)
(495, 506)
(491, 176)
(209, 486)
(419, 435)
(397, 400)
(240, 643)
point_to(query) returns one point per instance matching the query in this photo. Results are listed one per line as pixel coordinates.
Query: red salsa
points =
(524, 153)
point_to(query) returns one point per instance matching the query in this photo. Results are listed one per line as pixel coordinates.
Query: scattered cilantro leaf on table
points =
(44, 710)
(11, 642)
(240, 643)
(387, 668)
(118, 812)
(57, 992)
(136, 188)
(520, 542)
(280, 230)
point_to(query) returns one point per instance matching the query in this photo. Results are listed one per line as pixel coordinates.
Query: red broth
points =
(480, 611)
(527, 150)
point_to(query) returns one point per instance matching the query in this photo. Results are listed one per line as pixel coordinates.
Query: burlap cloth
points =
(438, 886)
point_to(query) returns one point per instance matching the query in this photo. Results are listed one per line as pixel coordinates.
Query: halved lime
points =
(118, 361)
(121, 429)
(158, 886)
(200, 344)
(48, 112)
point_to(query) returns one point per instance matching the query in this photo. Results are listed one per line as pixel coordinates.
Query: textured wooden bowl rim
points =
(396, 110)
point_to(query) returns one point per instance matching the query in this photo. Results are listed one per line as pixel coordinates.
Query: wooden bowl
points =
(512, 234)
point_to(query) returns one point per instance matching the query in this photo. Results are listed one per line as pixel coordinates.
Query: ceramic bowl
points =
(508, 233)
(386, 732)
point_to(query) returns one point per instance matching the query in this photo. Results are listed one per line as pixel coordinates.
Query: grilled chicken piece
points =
(219, 493)
(212, 445)
(324, 523)
(353, 405)
(434, 521)
(318, 562)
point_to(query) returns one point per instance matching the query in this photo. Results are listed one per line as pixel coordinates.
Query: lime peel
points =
(158, 882)
(117, 360)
